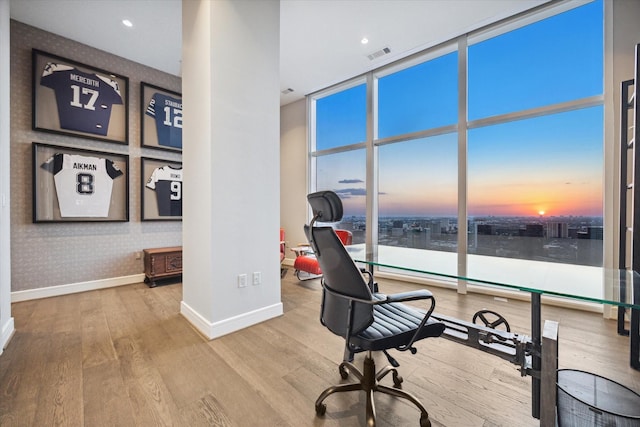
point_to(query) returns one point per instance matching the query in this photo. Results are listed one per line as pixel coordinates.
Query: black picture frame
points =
(71, 98)
(77, 185)
(160, 128)
(160, 190)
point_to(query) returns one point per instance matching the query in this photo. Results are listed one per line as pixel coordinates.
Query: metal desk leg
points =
(548, 374)
(634, 327)
(634, 333)
(621, 310)
(536, 361)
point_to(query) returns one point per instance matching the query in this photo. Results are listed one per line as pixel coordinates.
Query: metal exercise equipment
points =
(512, 347)
(518, 349)
(485, 315)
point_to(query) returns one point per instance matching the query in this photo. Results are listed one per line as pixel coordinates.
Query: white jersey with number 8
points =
(83, 184)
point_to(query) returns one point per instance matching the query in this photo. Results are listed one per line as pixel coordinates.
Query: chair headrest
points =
(326, 206)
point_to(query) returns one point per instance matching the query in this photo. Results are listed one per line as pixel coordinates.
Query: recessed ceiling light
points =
(127, 23)
(364, 40)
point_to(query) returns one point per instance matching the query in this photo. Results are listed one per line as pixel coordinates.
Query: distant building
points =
(534, 230)
(485, 229)
(592, 233)
(557, 230)
(418, 238)
(398, 229)
(439, 226)
(573, 232)
(346, 225)
(472, 234)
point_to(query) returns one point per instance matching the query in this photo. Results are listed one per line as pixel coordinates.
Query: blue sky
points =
(513, 168)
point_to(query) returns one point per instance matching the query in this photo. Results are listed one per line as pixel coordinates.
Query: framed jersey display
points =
(161, 118)
(75, 99)
(161, 190)
(77, 185)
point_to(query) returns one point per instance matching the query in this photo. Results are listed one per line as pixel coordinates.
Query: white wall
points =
(76, 256)
(6, 321)
(231, 161)
(293, 174)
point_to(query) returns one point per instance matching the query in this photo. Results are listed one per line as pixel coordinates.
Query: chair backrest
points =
(346, 237)
(340, 273)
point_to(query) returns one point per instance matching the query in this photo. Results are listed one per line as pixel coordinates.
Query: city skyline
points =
(575, 240)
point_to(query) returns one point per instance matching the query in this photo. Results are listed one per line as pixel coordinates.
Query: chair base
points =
(369, 384)
(304, 275)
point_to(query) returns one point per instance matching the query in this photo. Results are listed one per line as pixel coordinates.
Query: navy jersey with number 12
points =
(84, 100)
(167, 112)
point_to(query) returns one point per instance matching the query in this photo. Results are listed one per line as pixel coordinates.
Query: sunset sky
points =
(520, 168)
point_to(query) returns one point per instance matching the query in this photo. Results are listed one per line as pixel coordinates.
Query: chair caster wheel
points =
(397, 380)
(321, 409)
(424, 421)
(344, 374)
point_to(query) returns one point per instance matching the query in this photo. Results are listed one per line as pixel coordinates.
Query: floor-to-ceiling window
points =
(417, 109)
(338, 157)
(535, 143)
(526, 144)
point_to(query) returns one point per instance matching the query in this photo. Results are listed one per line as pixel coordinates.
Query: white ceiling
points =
(319, 39)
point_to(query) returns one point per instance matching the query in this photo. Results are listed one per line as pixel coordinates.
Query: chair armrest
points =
(409, 296)
(420, 294)
(302, 250)
(416, 295)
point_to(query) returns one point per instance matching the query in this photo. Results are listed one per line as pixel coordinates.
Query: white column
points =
(293, 184)
(231, 160)
(6, 321)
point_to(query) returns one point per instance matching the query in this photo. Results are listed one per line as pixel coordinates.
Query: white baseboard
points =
(54, 291)
(212, 330)
(8, 330)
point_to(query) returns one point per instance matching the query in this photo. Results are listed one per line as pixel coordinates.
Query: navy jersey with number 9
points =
(167, 183)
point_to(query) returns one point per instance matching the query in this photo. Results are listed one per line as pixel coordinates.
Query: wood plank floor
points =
(125, 357)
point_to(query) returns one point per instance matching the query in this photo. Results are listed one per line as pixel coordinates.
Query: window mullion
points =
(462, 164)
(372, 171)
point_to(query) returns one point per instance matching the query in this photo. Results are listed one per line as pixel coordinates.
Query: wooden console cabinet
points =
(162, 263)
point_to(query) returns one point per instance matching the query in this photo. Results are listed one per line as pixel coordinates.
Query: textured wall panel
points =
(50, 254)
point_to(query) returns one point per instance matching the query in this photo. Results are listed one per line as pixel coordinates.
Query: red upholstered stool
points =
(307, 263)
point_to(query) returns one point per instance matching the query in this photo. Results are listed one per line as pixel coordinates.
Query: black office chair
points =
(367, 320)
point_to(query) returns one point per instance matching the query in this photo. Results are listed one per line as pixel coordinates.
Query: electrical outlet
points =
(138, 255)
(257, 278)
(242, 280)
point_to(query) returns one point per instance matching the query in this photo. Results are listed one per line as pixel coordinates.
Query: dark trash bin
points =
(586, 399)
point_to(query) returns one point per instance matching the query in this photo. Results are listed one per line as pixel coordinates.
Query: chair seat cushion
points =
(307, 263)
(394, 325)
